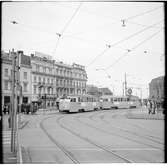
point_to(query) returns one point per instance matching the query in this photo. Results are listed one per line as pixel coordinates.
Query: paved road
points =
(92, 137)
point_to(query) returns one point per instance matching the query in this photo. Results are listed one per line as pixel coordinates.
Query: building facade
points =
(6, 77)
(43, 80)
(156, 88)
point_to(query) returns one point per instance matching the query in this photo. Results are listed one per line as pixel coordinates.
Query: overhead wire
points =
(67, 24)
(106, 49)
(65, 27)
(125, 39)
(133, 48)
(143, 13)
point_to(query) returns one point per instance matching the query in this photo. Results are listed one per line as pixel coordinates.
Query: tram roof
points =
(113, 96)
(81, 95)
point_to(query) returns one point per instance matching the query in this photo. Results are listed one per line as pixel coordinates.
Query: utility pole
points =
(19, 87)
(125, 85)
(14, 104)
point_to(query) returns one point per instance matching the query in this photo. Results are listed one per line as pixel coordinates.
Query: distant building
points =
(6, 77)
(105, 91)
(93, 90)
(156, 88)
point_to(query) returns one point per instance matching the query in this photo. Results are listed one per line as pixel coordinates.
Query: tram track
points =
(146, 136)
(149, 137)
(92, 142)
(116, 134)
(61, 147)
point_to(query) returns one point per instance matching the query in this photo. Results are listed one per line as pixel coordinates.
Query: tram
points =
(118, 102)
(79, 103)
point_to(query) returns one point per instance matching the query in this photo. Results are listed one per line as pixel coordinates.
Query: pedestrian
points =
(4, 109)
(149, 106)
(154, 106)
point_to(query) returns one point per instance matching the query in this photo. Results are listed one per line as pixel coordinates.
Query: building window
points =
(48, 80)
(6, 72)
(44, 80)
(6, 85)
(25, 75)
(50, 70)
(35, 89)
(25, 87)
(37, 68)
(35, 79)
(39, 79)
(44, 69)
(52, 80)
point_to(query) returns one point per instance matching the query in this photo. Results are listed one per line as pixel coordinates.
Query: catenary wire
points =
(65, 27)
(141, 14)
(124, 39)
(67, 24)
(106, 49)
(136, 46)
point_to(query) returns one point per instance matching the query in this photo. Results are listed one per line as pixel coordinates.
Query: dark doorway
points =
(25, 100)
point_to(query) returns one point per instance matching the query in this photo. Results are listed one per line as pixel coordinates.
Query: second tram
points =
(110, 102)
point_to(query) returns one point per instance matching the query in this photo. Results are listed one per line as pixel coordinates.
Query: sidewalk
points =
(8, 156)
(143, 114)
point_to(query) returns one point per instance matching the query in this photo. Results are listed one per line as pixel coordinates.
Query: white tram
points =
(79, 103)
(109, 102)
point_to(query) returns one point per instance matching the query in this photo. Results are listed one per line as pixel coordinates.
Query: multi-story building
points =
(25, 78)
(43, 80)
(156, 88)
(51, 79)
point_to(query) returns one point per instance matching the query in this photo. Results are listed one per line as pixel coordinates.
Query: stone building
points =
(6, 77)
(43, 80)
(51, 79)
(156, 88)
(93, 90)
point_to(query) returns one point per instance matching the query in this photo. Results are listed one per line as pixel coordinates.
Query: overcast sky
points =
(134, 31)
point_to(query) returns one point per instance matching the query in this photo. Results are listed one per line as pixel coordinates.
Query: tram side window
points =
(73, 99)
(115, 99)
(128, 99)
(111, 100)
(105, 100)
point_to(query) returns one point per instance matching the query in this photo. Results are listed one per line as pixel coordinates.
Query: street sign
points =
(129, 91)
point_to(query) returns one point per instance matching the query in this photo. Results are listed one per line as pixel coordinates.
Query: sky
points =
(108, 38)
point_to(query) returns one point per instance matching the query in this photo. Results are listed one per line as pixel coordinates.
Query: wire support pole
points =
(13, 117)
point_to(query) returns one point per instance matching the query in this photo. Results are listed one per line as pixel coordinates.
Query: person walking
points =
(149, 106)
(154, 106)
